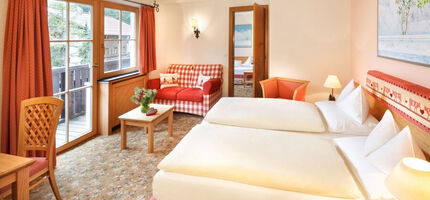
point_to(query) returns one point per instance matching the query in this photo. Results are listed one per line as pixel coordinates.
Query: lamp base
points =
(331, 98)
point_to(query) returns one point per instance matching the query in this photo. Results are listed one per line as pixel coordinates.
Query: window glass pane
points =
(111, 60)
(79, 113)
(128, 25)
(112, 25)
(59, 63)
(80, 64)
(61, 136)
(57, 20)
(80, 21)
(128, 55)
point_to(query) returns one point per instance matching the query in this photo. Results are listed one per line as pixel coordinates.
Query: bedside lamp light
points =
(195, 25)
(410, 179)
(332, 82)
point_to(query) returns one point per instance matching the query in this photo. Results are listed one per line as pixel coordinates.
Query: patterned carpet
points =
(99, 169)
(240, 91)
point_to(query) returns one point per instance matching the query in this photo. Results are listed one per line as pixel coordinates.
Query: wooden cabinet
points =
(114, 96)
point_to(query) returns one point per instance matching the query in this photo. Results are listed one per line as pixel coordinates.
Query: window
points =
(71, 40)
(120, 39)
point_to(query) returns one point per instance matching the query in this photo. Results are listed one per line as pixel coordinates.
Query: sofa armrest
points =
(211, 86)
(300, 92)
(154, 84)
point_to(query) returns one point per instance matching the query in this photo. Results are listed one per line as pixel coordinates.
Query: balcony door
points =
(72, 51)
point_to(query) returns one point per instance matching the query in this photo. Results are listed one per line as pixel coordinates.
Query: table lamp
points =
(410, 179)
(332, 82)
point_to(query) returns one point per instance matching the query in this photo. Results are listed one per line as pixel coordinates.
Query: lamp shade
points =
(332, 82)
(410, 179)
(194, 23)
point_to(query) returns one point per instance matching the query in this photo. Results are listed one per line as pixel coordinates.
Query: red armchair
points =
(284, 88)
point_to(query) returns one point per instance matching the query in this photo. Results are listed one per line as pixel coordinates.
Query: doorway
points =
(248, 45)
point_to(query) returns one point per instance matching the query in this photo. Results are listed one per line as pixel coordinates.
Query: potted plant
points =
(143, 97)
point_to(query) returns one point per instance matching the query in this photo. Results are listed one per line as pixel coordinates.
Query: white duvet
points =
(279, 160)
(271, 114)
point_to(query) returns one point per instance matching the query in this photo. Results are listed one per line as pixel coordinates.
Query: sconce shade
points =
(194, 23)
(332, 82)
(410, 179)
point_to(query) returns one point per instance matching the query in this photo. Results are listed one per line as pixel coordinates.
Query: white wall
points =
(309, 39)
(244, 18)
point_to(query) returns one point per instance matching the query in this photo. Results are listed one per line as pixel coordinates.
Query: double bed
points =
(241, 65)
(240, 153)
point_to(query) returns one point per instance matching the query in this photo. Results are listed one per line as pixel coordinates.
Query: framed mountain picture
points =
(404, 30)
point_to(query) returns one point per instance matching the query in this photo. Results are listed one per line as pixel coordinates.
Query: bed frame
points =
(409, 103)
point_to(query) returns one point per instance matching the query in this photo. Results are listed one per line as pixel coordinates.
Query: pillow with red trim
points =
(169, 80)
(202, 80)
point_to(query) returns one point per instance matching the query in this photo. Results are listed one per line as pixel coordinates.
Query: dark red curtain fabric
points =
(26, 65)
(148, 61)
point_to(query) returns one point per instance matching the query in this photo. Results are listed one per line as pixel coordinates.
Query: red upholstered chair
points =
(37, 127)
(284, 88)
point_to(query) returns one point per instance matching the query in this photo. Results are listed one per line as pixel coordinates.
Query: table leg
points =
(171, 124)
(20, 188)
(151, 138)
(123, 135)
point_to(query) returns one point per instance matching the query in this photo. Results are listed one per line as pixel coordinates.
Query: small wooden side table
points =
(136, 118)
(15, 170)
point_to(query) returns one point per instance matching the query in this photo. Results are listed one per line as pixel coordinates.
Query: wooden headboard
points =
(409, 103)
(242, 59)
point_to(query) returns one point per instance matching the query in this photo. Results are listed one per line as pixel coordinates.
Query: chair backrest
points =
(189, 73)
(284, 88)
(38, 123)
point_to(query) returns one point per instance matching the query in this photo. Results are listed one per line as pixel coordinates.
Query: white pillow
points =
(382, 133)
(346, 91)
(248, 61)
(340, 122)
(386, 157)
(202, 80)
(169, 80)
(355, 105)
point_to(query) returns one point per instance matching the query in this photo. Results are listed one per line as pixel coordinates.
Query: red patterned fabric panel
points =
(410, 100)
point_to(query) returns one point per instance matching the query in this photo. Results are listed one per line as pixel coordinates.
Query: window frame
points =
(121, 7)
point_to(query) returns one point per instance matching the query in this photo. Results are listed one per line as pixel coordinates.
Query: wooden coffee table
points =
(136, 118)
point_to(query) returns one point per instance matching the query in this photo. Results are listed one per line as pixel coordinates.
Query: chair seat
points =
(40, 164)
(168, 93)
(191, 94)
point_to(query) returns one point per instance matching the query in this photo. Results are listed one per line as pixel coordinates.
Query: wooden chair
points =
(37, 127)
(284, 88)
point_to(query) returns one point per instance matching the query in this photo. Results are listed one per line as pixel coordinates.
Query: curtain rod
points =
(155, 5)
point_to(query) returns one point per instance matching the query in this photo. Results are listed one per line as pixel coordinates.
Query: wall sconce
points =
(196, 28)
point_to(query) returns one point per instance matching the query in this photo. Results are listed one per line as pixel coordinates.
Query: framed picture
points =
(243, 36)
(404, 30)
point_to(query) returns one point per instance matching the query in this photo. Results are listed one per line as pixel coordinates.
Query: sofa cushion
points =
(191, 94)
(168, 93)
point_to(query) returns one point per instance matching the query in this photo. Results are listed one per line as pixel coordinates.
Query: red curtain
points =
(26, 64)
(148, 61)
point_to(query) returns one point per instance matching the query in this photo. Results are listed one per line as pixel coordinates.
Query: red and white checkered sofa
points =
(186, 98)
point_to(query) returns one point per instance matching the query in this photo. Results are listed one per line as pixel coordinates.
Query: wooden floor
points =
(78, 127)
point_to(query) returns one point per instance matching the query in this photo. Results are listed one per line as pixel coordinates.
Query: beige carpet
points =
(240, 91)
(99, 169)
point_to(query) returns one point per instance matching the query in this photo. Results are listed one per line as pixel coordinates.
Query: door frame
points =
(232, 11)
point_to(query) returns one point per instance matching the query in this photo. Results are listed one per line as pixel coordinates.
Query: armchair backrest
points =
(284, 88)
(189, 73)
